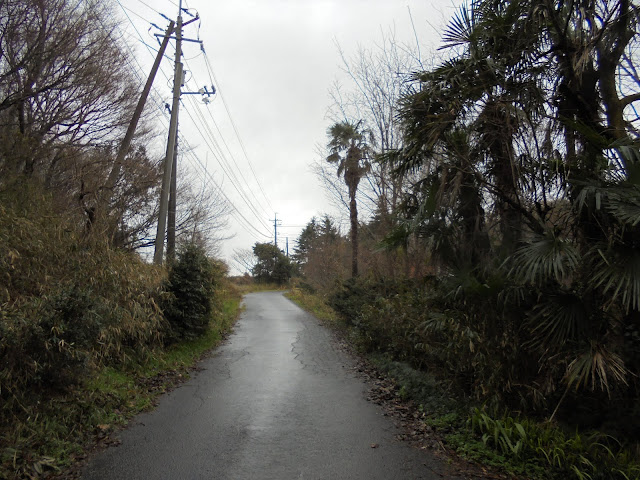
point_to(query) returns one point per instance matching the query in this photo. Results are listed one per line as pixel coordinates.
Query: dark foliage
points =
(272, 266)
(190, 287)
(68, 304)
(352, 295)
(59, 345)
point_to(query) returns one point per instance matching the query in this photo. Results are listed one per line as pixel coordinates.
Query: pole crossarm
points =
(184, 39)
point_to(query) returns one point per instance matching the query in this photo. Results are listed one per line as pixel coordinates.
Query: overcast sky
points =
(274, 63)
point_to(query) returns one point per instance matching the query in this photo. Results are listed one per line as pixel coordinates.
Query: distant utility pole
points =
(276, 223)
(287, 246)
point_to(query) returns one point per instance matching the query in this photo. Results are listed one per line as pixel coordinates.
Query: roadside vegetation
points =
(90, 332)
(516, 442)
(90, 335)
(496, 211)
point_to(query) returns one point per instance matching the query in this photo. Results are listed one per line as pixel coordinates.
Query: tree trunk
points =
(501, 128)
(353, 217)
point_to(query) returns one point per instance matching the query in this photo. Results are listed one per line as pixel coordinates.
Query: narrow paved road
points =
(277, 401)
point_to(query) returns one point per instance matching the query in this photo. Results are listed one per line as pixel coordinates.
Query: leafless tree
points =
(376, 80)
(67, 94)
(244, 260)
(202, 211)
(63, 81)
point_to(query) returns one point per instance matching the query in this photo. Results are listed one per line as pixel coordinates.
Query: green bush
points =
(68, 301)
(307, 288)
(70, 305)
(533, 446)
(60, 344)
(190, 287)
(419, 386)
(455, 327)
(350, 296)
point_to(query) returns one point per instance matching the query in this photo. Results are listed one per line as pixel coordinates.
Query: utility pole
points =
(287, 246)
(171, 146)
(167, 208)
(107, 192)
(171, 225)
(275, 228)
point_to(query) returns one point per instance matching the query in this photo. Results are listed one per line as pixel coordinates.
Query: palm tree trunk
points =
(353, 217)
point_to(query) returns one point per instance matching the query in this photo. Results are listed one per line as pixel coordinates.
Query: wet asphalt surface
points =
(279, 400)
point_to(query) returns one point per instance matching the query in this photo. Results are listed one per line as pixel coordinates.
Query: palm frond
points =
(623, 203)
(334, 158)
(596, 366)
(590, 196)
(559, 319)
(628, 213)
(547, 257)
(617, 272)
(460, 29)
(629, 153)
(397, 237)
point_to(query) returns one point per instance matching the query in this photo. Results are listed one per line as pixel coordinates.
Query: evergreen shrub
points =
(188, 307)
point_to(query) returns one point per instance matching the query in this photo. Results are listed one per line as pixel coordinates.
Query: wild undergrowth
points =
(508, 441)
(89, 333)
(535, 448)
(51, 431)
(252, 286)
(445, 364)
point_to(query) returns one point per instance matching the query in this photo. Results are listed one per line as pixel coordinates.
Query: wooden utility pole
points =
(171, 220)
(275, 228)
(107, 192)
(171, 145)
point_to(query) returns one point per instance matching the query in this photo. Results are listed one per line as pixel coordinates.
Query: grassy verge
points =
(506, 441)
(314, 304)
(250, 287)
(55, 429)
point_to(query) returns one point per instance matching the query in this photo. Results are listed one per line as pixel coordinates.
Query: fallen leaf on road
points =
(374, 445)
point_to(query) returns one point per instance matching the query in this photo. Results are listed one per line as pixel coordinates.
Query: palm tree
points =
(521, 75)
(350, 148)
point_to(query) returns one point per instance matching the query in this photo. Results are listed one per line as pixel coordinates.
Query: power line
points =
(133, 12)
(233, 179)
(210, 138)
(251, 191)
(235, 129)
(236, 213)
(207, 177)
(151, 8)
(248, 226)
(240, 218)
